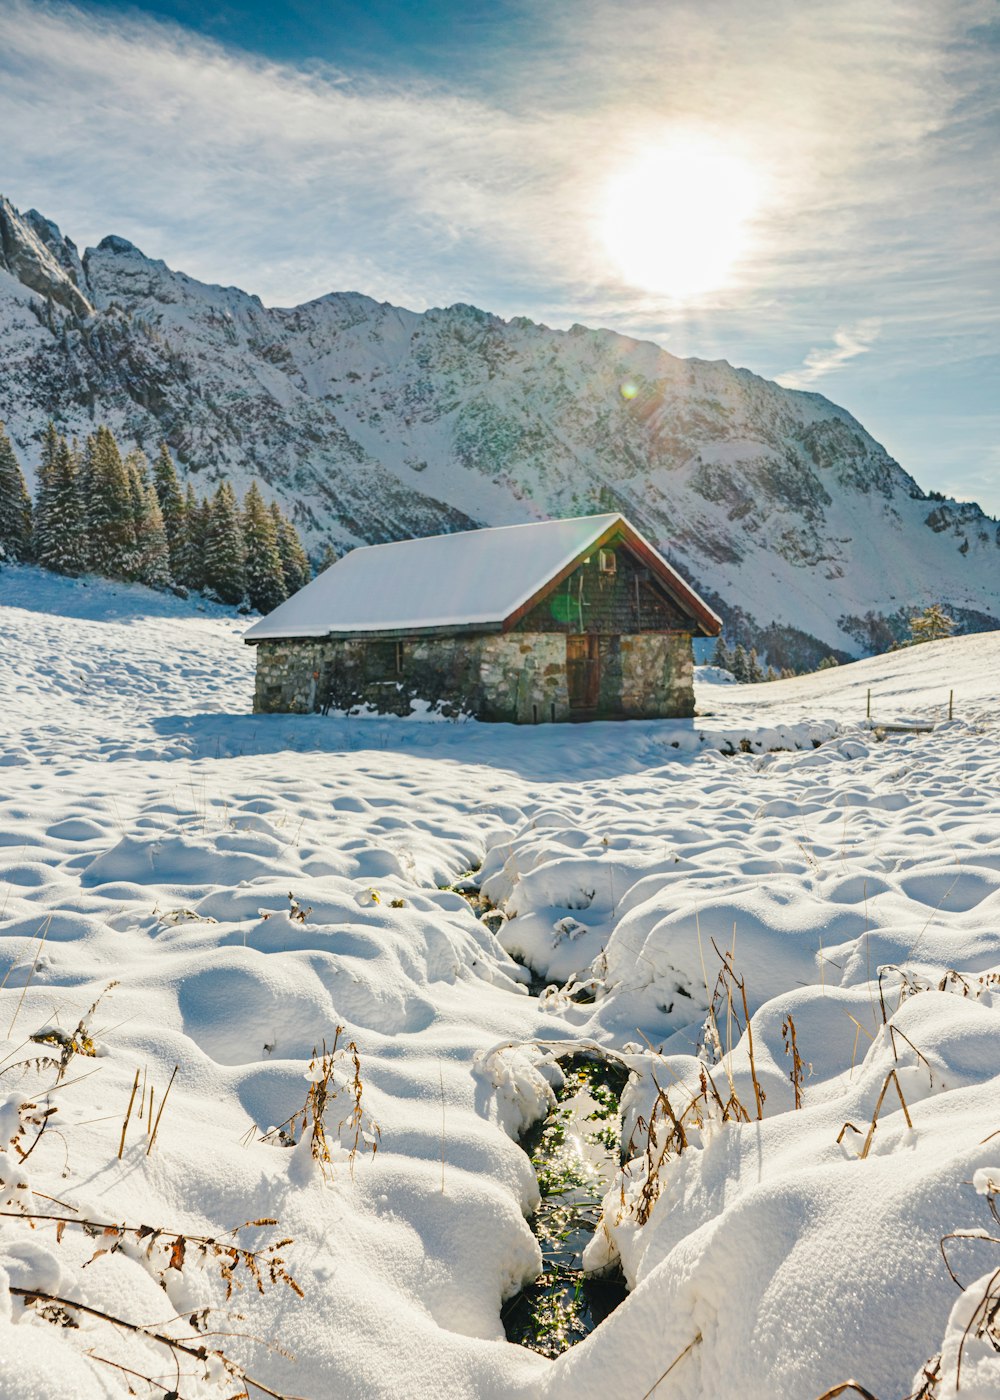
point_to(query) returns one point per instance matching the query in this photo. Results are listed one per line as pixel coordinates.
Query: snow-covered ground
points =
(238, 886)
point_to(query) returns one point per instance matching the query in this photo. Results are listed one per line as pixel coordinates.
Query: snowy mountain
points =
(369, 422)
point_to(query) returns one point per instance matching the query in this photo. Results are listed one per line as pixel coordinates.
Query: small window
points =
(607, 561)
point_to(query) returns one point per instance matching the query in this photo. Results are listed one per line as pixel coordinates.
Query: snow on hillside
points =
(372, 423)
(234, 887)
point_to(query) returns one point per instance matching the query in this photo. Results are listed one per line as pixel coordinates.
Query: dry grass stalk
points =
(678, 1358)
(791, 1048)
(77, 1042)
(163, 1104)
(890, 1078)
(44, 933)
(893, 1032)
(164, 1249)
(706, 1104)
(56, 1309)
(731, 978)
(984, 1321)
(843, 1388)
(323, 1091)
(128, 1114)
(30, 1115)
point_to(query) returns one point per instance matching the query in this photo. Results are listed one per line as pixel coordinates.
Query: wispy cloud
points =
(848, 343)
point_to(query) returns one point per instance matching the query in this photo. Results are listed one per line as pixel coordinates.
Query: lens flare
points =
(629, 390)
(676, 220)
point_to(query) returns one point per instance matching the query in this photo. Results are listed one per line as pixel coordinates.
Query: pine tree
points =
(741, 664)
(264, 570)
(294, 560)
(111, 506)
(60, 522)
(188, 567)
(173, 509)
(138, 480)
(722, 656)
(153, 550)
(755, 672)
(328, 557)
(932, 625)
(225, 552)
(15, 505)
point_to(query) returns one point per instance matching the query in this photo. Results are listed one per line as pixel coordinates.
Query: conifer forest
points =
(100, 511)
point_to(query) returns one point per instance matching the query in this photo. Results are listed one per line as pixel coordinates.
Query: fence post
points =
(951, 703)
(868, 711)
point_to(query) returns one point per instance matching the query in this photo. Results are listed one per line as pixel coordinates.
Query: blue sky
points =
(807, 189)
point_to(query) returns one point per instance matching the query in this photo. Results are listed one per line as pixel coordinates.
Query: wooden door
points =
(583, 672)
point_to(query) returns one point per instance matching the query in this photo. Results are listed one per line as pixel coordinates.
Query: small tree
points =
(827, 663)
(188, 567)
(741, 664)
(112, 501)
(264, 571)
(225, 551)
(172, 508)
(932, 625)
(61, 540)
(294, 560)
(755, 672)
(15, 505)
(328, 557)
(722, 656)
(152, 556)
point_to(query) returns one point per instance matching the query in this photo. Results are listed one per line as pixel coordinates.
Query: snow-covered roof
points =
(475, 578)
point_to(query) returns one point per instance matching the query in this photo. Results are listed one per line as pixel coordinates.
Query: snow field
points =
(151, 834)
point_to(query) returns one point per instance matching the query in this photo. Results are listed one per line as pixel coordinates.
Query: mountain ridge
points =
(371, 422)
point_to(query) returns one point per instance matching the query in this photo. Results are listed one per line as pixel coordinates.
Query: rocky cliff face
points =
(370, 423)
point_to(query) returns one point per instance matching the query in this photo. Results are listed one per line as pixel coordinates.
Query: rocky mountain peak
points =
(35, 253)
(370, 422)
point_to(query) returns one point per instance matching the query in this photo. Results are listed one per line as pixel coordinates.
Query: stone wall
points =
(657, 676)
(523, 678)
(517, 677)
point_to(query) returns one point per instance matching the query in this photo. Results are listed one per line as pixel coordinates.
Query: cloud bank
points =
(300, 182)
(872, 129)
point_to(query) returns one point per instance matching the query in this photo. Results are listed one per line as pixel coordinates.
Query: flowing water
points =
(575, 1153)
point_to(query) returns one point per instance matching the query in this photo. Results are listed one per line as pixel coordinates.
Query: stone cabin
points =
(529, 624)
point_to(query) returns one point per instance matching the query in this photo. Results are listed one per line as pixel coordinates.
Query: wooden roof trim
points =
(711, 624)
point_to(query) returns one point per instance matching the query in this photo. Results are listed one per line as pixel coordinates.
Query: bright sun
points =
(676, 219)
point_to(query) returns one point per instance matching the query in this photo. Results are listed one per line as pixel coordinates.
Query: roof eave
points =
(387, 634)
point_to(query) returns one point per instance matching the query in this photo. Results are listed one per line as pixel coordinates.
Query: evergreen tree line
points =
(745, 665)
(97, 511)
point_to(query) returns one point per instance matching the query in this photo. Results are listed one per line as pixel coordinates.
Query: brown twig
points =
(199, 1353)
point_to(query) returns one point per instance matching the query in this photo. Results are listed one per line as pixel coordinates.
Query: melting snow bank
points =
(229, 891)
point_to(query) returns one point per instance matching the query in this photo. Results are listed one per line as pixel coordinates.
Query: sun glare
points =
(675, 220)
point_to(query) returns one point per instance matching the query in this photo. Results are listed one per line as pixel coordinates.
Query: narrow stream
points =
(575, 1153)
